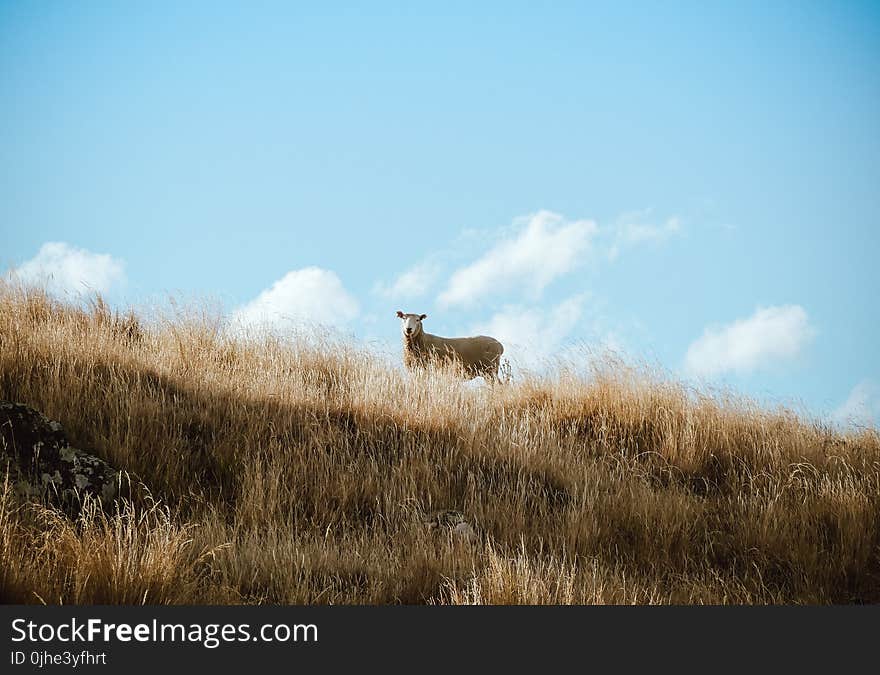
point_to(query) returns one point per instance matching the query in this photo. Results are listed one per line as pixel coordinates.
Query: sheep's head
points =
(411, 324)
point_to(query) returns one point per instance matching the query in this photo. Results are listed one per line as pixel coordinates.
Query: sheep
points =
(477, 356)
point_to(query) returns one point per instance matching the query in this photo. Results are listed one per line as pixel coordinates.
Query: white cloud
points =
(862, 406)
(544, 247)
(771, 334)
(531, 335)
(634, 228)
(67, 270)
(636, 233)
(300, 298)
(413, 283)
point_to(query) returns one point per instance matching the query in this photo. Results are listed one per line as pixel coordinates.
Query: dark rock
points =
(41, 463)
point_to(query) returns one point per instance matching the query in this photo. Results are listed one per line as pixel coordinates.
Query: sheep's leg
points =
(490, 373)
(496, 374)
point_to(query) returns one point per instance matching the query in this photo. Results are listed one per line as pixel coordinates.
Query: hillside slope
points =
(288, 473)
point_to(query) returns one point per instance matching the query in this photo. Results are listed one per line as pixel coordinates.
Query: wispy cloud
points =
(637, 228)
(300, 298)
(531, 335)
(771, 334)
(413, 283)
(862, 406)
(67, 270)
(543, 247)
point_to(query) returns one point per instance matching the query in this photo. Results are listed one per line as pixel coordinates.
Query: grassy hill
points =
(303, 473)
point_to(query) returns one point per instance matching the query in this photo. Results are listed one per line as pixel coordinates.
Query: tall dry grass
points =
(302, 473)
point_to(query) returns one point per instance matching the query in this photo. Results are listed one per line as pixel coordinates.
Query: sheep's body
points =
(478, 355)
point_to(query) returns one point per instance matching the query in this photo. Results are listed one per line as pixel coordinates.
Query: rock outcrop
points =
(41, 464)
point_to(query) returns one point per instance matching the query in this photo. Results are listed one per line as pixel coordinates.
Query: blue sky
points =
(695, 185)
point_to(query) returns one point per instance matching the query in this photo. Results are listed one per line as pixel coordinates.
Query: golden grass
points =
(302, 472)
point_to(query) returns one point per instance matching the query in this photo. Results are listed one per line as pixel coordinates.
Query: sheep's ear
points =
(399, 314)
(423, 317)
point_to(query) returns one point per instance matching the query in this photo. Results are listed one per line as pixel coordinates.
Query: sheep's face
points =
(411, 324)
